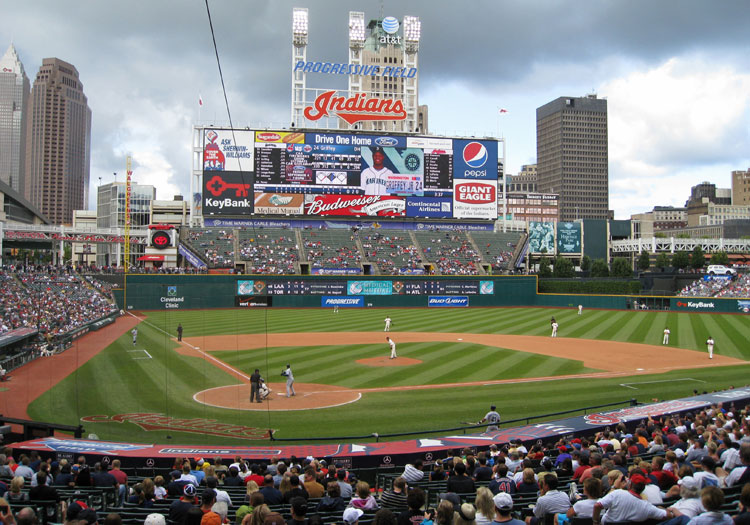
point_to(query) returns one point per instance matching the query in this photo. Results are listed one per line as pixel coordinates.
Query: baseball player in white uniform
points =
(554, 327)
(375, 178)
(665, 341)
(580, 309)
(134, 331)
(387, 323)
(289, 380)
(393, 347)
(710, 346)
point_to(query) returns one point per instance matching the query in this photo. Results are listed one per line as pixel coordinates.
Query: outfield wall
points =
(196, 292)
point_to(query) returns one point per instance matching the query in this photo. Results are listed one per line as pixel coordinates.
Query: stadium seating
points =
(496, 248)
(451, 253)
(331, 248)
(214, 245)
(394, 252)
(269, 251)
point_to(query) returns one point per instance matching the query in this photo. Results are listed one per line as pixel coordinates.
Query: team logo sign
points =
(355, 109)
(475, 155)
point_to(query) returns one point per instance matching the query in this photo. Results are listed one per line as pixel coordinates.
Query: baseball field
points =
(452, 365)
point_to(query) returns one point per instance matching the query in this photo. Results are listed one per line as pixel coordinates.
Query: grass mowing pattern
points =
(114, 383)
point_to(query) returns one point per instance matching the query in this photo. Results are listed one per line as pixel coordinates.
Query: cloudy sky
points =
(676, 74)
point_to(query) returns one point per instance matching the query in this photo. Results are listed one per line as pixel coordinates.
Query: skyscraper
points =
(58, 143)
(14, 102)
(573, 156)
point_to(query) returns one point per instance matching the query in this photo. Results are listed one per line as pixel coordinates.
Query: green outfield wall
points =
(179, 292)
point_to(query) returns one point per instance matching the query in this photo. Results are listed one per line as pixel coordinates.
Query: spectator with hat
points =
(178, 510)
(689, 490)
(351, 516)
(706, 475)
(503, 508)
(155, 519)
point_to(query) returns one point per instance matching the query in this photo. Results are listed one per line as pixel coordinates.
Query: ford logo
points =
(386, 141)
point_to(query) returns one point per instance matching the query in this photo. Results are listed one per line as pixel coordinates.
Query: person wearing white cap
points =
(689, 490)
(503, 508)
(155, 519)
(351, 515)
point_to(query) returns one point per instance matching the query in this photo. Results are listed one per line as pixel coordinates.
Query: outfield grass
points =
(115, 383)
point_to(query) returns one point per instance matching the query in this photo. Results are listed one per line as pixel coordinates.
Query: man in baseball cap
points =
(503, 507)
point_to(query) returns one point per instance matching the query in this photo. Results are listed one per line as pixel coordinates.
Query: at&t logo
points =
(390, 26)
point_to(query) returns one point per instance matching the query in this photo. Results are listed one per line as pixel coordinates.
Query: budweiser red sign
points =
(475, 192)
(356, 205)
(356, 108)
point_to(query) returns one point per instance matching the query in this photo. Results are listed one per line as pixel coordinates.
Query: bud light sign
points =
(475, 159)
(448, 301)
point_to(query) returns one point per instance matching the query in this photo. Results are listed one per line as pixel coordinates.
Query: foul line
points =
(208, 357)
(627, 385)
(141, 350)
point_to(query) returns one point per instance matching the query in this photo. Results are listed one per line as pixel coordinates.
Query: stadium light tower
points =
(412, 34)
(356, 45)
(299, 53)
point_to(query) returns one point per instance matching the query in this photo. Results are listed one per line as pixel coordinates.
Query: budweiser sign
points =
(150, 422)
(354, 109)
(370, 205)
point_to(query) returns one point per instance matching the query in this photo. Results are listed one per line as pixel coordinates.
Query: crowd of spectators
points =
(54, 300)
(394, 254)
(738, 286)
(693, 468)
(453, 255)
(215, 246)
(270, 255)
(331, 249)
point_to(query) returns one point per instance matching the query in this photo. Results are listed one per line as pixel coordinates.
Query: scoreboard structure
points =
(316, 174)
(364, 287)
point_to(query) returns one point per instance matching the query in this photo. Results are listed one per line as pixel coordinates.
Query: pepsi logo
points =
(475, 154)
(390, 24)
(475, 193)
(267, 137)
(386, 141)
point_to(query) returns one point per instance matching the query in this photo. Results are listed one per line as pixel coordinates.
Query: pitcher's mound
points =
(387, 361)
(308, 395)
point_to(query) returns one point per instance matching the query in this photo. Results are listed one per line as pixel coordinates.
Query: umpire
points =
(255, 386)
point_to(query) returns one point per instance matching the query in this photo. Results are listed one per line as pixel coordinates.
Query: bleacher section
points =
(270, 251)
(332, 248)
(392, 251)
(214, 245)
(496, 248)
(451, 253)
(279, 251)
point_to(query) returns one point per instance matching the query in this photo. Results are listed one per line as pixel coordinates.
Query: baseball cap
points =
(452, 497)
(467, 512)
(175, 474)
(74, 509)
(189, 490)
(503, 501)
(689, 482)
(155, 519)
(351, 515)
(88, 515)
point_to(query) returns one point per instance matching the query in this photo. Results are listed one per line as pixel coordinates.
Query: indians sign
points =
(356, 108)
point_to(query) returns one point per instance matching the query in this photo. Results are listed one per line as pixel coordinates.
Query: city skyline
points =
(676, 77)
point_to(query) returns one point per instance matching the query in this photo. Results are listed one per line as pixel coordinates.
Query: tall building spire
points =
(14, 103)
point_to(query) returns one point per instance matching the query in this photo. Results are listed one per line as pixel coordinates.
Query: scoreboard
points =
(370, 287)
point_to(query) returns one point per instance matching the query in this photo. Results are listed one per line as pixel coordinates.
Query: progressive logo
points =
(475, 155)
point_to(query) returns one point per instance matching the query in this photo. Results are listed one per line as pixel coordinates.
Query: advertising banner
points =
(474, 199)
(475, 159)
(346, 301)
(227, 193)
(221, 153)
(542, 237)
(335, 271)
(279, 203)
(487, 287)
(190, 257)
(369, 287)
(569, 237)
(355, 205)
(245, 287)
(448, 301)
(429, 207)
(340, 139)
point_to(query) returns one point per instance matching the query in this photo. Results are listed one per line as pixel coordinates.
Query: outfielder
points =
(580, 309)
(554, 327)
(710, 346)
(665, 341)
(387, 323)
(393, 347)
(134, 331)
(289, 380)
(492, 418)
